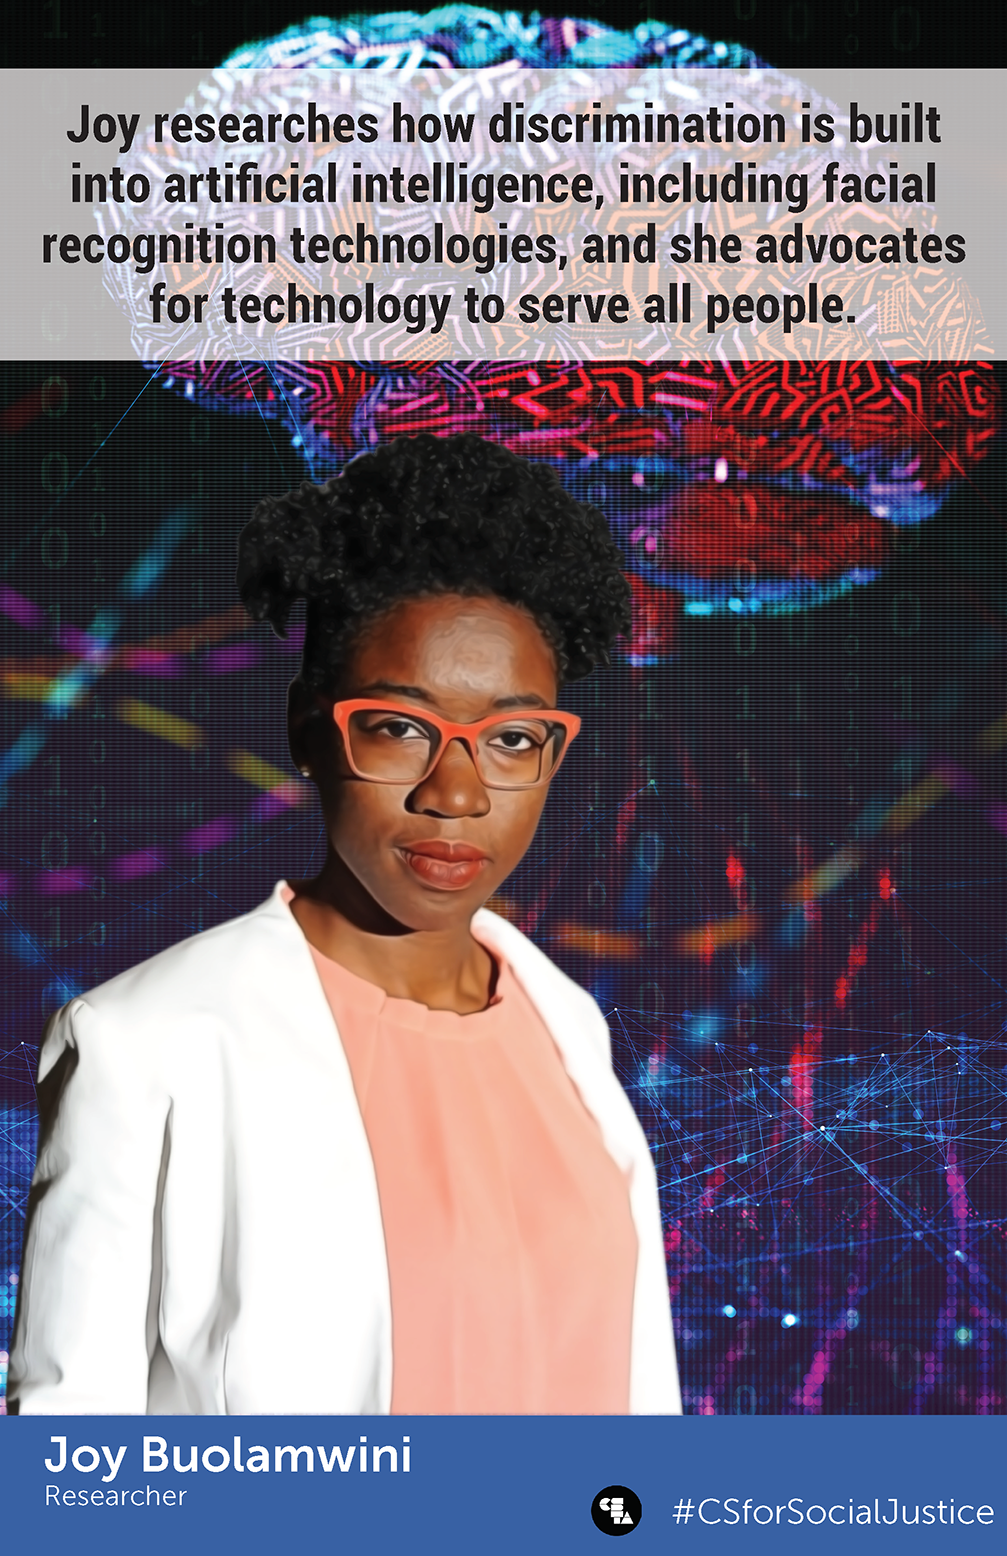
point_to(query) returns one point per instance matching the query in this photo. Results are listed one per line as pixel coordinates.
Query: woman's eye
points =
(515, 740)
(399, 729)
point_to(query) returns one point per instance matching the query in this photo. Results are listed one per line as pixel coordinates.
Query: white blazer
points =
(204, 1234)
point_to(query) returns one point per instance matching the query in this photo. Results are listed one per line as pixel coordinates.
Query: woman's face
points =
(430, 854)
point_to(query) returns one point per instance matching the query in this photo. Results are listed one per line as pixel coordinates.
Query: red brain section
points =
(731, 486)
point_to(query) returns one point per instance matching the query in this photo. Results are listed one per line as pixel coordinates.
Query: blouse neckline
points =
(373, 1000)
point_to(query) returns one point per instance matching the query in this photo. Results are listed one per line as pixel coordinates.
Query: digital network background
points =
(777, 854)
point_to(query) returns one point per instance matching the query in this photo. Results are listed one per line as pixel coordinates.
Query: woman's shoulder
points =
(242, 990)
(548, 986)
(215, 963)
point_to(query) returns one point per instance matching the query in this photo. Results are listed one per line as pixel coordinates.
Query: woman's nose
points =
(454, 788)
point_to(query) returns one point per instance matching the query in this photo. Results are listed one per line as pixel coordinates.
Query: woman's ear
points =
(304, 728)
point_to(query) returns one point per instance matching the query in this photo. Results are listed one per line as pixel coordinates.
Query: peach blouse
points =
(511, 1247)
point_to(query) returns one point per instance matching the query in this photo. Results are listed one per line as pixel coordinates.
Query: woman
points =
(467, 1219)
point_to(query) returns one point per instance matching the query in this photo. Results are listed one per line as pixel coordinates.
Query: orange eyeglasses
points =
(385, 743)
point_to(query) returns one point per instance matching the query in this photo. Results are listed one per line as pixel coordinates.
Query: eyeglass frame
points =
(468, 734)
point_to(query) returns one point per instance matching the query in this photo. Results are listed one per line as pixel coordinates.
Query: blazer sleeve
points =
(87, 1302)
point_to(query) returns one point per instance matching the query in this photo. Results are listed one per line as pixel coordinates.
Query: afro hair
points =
(429, 515)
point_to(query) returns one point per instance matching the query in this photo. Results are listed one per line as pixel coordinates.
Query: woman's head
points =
(448, 583)
(430, 515)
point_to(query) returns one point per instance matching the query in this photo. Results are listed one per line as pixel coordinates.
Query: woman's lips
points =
(447, 866)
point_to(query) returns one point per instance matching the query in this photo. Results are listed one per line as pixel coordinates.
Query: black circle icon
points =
(616, 1510)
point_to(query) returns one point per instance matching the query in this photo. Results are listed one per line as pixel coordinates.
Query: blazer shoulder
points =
(542, 979)
(213, 961)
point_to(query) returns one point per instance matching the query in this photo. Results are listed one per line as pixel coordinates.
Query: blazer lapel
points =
(578, 1030)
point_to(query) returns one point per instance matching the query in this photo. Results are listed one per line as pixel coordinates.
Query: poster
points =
(776, 861)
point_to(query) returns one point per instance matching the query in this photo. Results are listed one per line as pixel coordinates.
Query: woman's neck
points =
(443, 969)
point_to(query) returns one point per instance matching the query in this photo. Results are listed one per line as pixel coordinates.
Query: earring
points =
(305, 772)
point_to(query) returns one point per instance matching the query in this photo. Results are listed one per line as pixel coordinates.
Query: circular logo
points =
(616, 1510)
